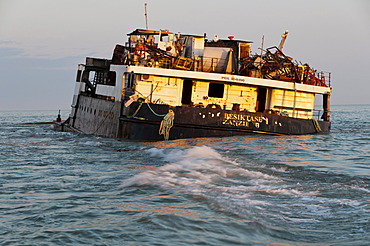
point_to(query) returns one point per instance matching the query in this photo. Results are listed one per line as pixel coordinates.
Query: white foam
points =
(201, 170)
(204, 173)
(280, 170)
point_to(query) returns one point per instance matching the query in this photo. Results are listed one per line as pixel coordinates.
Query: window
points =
(216, 90)
(105, 77)
(111, 80)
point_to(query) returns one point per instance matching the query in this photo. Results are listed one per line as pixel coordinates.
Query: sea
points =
(60, 188)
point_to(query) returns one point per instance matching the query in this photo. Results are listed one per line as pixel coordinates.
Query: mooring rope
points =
(166, 123)
(159, 115)
(135, 113)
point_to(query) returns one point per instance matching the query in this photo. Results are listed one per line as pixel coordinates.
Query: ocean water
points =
(70, 189)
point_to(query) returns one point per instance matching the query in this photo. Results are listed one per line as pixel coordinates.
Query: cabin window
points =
(244, 50)
(105, 78)
(111, 78)
(85, 76)
(91, 75)
(216, 90)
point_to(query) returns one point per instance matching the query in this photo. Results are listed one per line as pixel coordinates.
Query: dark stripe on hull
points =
(202, 122)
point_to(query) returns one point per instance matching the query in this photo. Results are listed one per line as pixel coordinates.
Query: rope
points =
(159, 115)
(316, 125)
(138, 109)
(135, 113)
(166, 124)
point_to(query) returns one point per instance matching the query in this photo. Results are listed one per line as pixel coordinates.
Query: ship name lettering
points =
(244, 120)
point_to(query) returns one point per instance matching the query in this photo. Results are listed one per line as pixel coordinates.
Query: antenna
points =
(146, 16)
(262, 44)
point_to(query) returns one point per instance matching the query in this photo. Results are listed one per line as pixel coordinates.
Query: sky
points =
(43, 41)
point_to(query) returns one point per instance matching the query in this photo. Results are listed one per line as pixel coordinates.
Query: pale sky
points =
(43, 41)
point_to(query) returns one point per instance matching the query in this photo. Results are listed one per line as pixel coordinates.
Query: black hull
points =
(100, 117)
(203, 122)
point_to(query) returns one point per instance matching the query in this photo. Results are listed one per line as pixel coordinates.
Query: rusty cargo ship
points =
(164, 85)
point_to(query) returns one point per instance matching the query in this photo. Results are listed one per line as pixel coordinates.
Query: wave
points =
(200, 165)
(204, 173)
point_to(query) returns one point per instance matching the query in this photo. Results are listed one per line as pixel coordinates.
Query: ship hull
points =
(142, 121)
(204, 122)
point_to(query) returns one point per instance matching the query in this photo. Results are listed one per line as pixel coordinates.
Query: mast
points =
(262, 47)
(146, 16)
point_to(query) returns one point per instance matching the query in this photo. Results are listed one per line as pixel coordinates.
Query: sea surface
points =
(71, 189)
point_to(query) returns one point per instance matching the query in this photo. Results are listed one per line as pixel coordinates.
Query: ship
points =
(162, 85)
